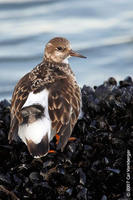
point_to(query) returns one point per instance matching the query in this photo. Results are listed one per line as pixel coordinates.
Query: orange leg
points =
(57, 141)
(72, 139)
(51, 151)
(57, 138)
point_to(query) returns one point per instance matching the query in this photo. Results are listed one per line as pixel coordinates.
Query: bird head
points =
(59, 50)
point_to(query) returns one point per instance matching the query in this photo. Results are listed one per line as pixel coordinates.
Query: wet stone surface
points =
(93, 167)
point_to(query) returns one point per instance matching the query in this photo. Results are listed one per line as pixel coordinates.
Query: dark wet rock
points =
(93, 167)
(82, 176)
(117, 171)
(69, 191)
(48, 164)
(105, 161)
(126, 82)
(35, 177)
(5, 179)
(82, 193)
(104, 197)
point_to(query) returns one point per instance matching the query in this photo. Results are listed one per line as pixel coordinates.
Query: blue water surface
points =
(102, 30)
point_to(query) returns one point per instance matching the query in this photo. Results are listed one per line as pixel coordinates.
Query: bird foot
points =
(72, 139)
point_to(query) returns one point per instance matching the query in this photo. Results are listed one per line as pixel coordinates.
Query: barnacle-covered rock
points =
(93, 167)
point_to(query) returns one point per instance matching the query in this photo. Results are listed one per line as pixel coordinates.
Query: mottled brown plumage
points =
(64, 93)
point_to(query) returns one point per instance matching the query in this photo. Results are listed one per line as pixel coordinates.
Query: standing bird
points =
(46, 101)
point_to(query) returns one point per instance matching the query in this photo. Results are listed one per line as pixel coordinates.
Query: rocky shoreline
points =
(93, 167)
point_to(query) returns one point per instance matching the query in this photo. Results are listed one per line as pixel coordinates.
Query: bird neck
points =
(54, 63)
(61, 66)
(55, 60)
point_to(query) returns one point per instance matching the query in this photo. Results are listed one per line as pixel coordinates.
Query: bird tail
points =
(35, 130)
(38, 150)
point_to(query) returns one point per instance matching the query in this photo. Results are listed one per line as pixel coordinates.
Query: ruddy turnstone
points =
(46, 101)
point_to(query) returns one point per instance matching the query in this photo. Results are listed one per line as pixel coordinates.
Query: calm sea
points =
(102, 30)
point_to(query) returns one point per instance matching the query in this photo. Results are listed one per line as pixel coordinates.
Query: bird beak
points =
(73, 53)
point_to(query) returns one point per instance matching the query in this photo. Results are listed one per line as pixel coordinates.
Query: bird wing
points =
(64, 108)
(19, 97)
(34, 81)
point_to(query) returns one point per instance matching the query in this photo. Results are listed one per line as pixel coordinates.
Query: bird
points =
(46, 102)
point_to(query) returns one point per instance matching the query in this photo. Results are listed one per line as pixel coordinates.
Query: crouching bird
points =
(46, 101)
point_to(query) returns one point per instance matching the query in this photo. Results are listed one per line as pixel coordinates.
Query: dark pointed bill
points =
(73, 53)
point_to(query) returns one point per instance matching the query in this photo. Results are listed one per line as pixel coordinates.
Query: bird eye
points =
(59, 48)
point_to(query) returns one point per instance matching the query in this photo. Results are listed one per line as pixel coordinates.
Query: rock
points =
(93, 167)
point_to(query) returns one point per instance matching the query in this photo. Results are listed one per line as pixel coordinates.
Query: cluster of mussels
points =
(93, 167)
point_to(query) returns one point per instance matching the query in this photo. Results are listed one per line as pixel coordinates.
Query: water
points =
(101, 30)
